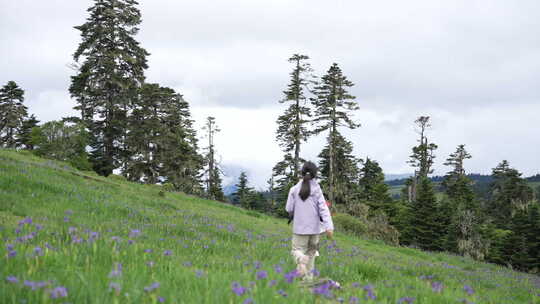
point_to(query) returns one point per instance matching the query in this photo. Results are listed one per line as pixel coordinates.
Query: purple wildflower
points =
(94, 235)
(114, 286)
(59, 292)
(323, 289)
(12, 279)
(12, 253)
(468, 289)
(407, 300)
(354, 300)
(187, 264)
(238, 289)
(257, 264)
(315, 272)
(355, 284)
(69, 212)
(436, 286)
(152, 287)
(272, 283)
(76, 240)
(130, 242)
(38, 227)
(72, 230)
(134, 233)
(167, 253)
(369, 292)
(35, 285)
(150, 263)
(148, 250)
(289, 276)
(161, 299)
(115, 238)
(282, 293)
(262, 275)
(38, 251)
(66, 219)
(116, 272)
(10, 246)
(248, 301)
(199, 273)
(278, 269)
(26, 220)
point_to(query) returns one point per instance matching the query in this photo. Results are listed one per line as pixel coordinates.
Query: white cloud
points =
(472, 65)
(52, 105)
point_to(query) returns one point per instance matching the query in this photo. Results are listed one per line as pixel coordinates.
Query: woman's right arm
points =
(289, 207)
(325, 212)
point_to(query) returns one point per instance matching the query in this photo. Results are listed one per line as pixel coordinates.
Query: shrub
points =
(380, 229)
(166, 187)
(349, 223)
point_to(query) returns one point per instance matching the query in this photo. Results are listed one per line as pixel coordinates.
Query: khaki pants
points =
(304, 250)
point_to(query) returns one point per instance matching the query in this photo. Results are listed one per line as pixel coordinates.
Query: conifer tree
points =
(533, 236)
(12, 114)
(25, 139)
(216, 190)
(422, 156)
(456, 183)
(509, 192)
(459, 213)
(243, 194)
(292, 124)
(333, 108)
(423, 230)
(181, 164)
(373, 189)
(108, 78)
(145, 128)
(345, 169)
(213, 180)
(516, 248)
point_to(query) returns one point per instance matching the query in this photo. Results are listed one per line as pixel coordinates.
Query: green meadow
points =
(73, 237)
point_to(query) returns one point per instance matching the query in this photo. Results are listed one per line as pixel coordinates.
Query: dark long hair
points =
(309, 171)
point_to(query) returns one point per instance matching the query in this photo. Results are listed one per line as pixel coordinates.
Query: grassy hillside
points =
(69, 236)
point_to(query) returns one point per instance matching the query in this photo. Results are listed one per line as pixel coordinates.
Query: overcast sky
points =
(473, 66)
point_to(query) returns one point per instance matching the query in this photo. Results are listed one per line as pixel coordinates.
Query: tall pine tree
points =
(244, 194)
(423, 229)
(145, 130)
(422, 156)
(214, 189)
(108, 78)
(12, 114)
(373, 189)
(25, 134)
(333, 108)
(460, 215)
(345, 166)
(180, 161)
(509, 193)
(457, 185)
(292, 124)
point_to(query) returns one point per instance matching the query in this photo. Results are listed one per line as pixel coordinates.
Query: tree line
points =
(145, 132)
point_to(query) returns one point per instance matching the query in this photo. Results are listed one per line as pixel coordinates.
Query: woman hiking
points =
(311, 216)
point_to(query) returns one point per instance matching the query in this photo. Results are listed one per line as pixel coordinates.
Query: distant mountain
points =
(228, 190)
(390, 177)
